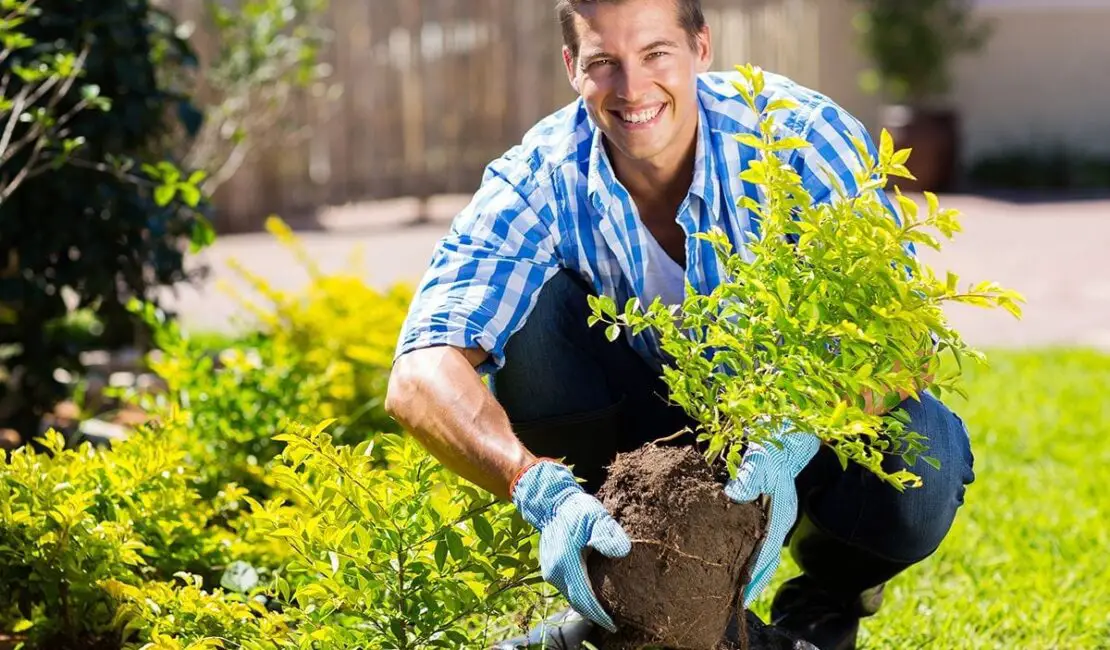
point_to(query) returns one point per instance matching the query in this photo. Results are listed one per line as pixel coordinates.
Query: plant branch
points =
(521, 582)
(17, 109)
(24, 173)
(461, 518)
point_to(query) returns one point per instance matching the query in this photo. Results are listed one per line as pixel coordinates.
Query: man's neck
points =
(662, 181)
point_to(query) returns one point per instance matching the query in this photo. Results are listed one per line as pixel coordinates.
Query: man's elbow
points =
(400, 389)
(419, 373)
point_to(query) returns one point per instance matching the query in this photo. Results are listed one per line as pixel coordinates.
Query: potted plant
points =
(911, 45)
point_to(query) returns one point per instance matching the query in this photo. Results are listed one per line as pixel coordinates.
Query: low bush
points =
(233, 519)
(340, 328)
(323, 352)
(400, 554)
(1040, 169)
(72, 518)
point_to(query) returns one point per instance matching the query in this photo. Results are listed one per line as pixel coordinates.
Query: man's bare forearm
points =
(874, 406)
(438, 396)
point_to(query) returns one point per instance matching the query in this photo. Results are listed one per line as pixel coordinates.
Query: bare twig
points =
(23, 174)
(37, 133)
(17, 109)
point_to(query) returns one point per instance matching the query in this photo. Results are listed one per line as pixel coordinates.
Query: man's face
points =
(637, 72)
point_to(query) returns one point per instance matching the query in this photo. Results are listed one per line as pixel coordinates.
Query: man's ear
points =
(572, 68)
(704, 49)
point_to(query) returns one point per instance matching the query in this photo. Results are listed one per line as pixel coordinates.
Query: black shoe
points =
(566, 630)
(840, 585)
(829, 622)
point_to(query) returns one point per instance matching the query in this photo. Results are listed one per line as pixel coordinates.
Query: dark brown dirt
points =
(680, 585)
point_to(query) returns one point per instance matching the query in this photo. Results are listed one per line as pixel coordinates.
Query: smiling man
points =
(603, 197)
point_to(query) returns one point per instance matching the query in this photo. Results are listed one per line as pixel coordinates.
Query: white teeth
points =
(639, 117)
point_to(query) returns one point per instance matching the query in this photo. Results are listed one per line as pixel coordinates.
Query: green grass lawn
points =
(1026, 564)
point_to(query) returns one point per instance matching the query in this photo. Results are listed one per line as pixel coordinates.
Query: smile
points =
(640, 118)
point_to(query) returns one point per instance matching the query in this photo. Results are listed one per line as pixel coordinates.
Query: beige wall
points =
(810, 41)
(1043, 78)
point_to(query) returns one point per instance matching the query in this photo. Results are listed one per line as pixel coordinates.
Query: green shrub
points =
(396, 555)
(1040, 169)
(343, 330)
(70, 519)
(355, 537)
(400, 555)
(109, 223)
(176, 616)
(318, 353)
(233, 402)
(833, 309)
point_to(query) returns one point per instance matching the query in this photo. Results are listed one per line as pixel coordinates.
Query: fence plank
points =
(435, 89)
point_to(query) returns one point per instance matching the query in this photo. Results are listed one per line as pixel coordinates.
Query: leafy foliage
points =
(234, 401)
(1040, 169)
(371, 544)
(324, 352)
(343, 330)
(110, 220)
(70, 519)
(39, 81)
(323, 544)
(396, 555)
(833, 307)
(179, 615)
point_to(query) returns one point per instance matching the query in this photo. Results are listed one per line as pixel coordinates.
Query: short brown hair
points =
(690, 16)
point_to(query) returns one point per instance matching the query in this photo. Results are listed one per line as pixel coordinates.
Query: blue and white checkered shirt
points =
(554, 202)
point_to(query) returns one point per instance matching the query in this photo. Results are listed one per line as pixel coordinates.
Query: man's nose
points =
(634, 83)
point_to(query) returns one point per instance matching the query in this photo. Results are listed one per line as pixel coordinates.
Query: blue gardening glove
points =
(570, 521)
(770, 470)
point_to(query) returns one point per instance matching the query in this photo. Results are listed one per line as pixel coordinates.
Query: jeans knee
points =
(550, 369)
(560, 312)
(947, 441)
(909, 525)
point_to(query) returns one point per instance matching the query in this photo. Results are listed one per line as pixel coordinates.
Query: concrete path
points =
(1056, 253)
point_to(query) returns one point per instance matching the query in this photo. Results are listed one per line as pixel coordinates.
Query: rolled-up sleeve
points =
(485, 274)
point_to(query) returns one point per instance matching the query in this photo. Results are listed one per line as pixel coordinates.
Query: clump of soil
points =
(691, 546)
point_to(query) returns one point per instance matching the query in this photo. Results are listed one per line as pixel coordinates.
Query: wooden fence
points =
(435, 89)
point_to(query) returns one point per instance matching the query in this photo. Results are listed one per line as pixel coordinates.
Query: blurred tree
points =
(911, 44)
(93, 210)
(263, 52)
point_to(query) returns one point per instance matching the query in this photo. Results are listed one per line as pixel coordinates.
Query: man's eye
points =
(656, 55)
(597, 63)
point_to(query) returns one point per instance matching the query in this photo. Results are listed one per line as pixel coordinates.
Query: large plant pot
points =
(933, 134)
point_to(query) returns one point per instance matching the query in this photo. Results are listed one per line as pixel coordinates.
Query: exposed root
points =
(674, 549)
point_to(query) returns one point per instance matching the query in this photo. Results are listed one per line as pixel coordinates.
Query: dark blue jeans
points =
(561, 375)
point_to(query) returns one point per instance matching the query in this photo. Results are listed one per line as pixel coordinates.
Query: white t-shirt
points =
(663, 276)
